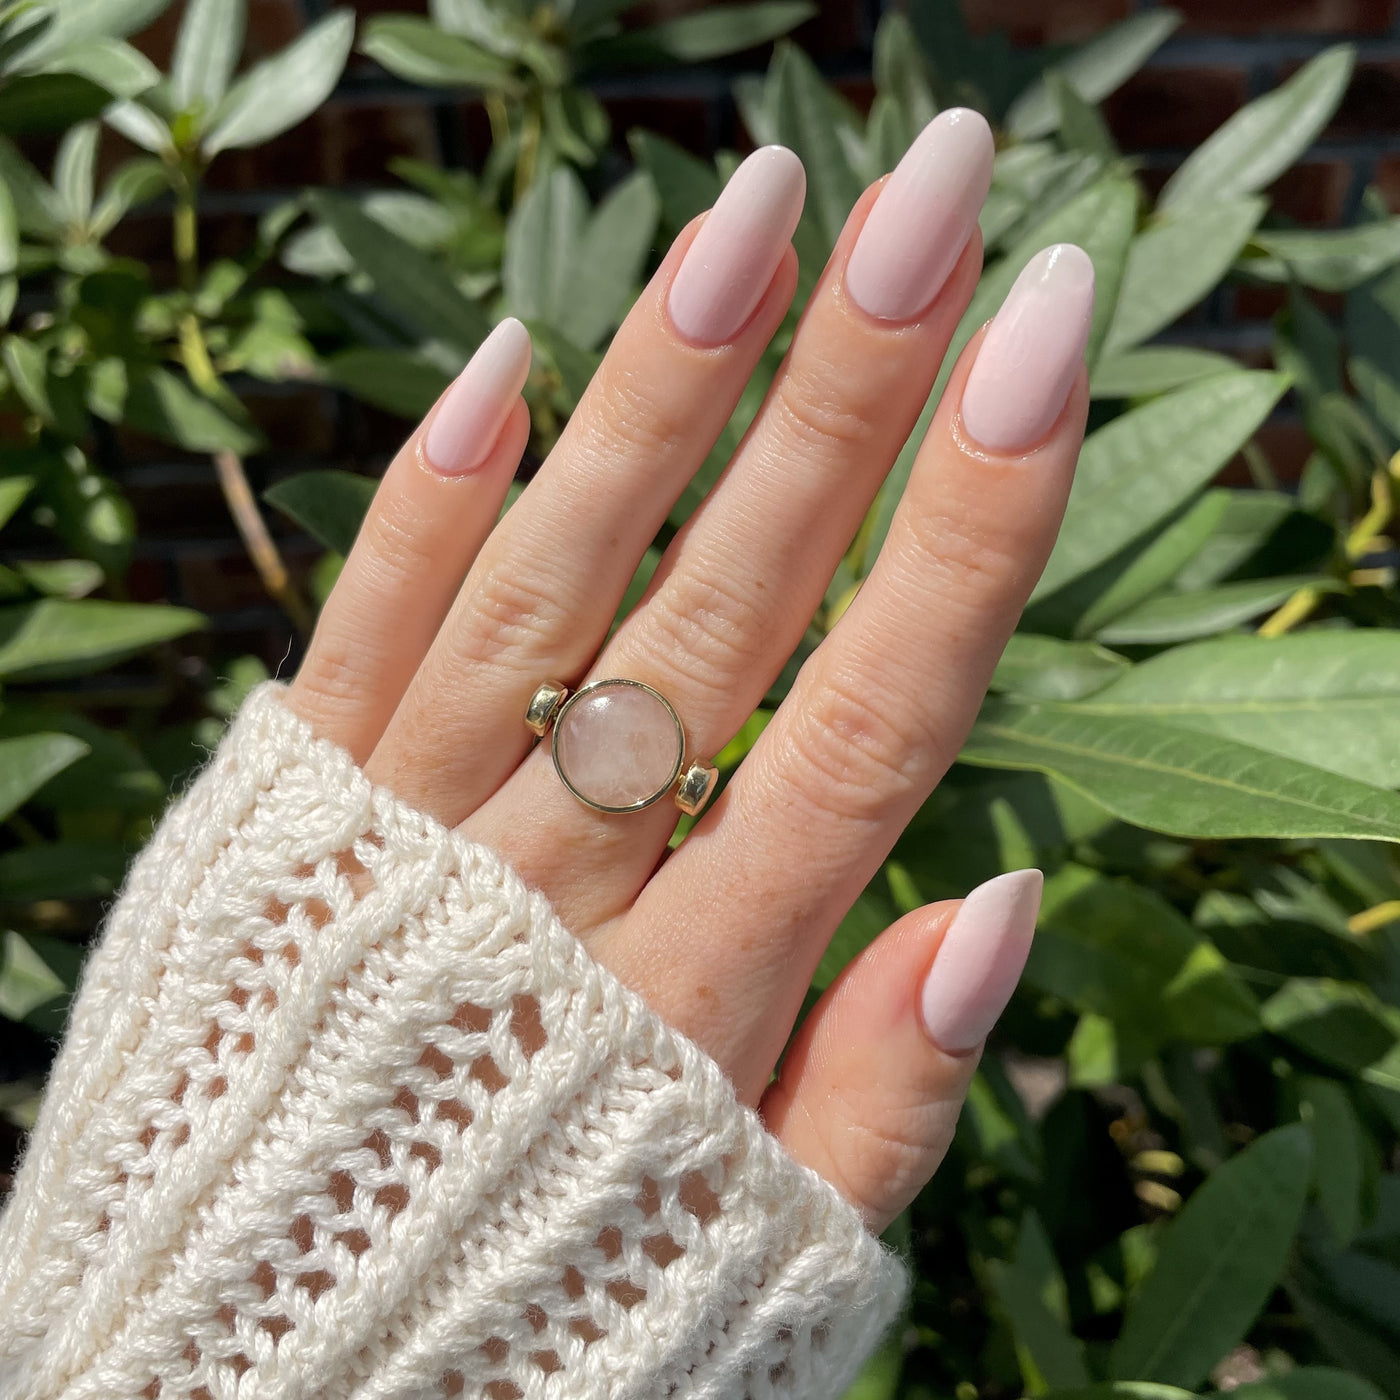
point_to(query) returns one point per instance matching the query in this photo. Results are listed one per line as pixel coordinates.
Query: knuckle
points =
(816, 411)
(848, 758)
(509, 615)
(334, 671)
(706, 629)
(629, 410)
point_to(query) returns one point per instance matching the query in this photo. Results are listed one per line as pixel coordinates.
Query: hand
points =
(441, 627)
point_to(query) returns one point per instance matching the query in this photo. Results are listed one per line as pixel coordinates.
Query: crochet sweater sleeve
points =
(344, 1111)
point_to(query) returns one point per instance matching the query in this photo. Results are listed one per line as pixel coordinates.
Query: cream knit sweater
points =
(344, 1111)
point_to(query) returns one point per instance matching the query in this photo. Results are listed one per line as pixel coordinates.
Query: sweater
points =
(344, 1111)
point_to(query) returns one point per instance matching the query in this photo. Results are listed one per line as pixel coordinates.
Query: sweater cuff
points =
(344, 1110)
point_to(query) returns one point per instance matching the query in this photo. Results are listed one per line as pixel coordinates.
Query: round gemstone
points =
(617, 745)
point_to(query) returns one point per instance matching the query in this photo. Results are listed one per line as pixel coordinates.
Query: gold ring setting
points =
(619, 746)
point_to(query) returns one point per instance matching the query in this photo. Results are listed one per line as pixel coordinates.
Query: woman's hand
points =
(441, 628)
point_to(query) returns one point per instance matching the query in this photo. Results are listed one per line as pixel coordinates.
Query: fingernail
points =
(1032, 353)
(728, 267)
(474, 410)
(915, 234)
(980, 960)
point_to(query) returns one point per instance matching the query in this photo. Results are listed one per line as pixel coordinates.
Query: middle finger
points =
(739, 584)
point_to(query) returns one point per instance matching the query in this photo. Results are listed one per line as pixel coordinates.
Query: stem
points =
(233, 480)
(1378, 916)
(529, 151)
(252, 528)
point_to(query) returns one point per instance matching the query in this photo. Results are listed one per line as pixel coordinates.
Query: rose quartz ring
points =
(619, 746)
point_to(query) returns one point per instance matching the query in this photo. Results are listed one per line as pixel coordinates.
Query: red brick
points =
(1287, 447)
(684, 120)
(296, 420)
(1174, 107)
(1289, 16)
(1371, 106)
(1044, 21)
(180, 509)
(1263, 301)
(1387, 180)
(222, 578)
(272, 25)
(1314, 192)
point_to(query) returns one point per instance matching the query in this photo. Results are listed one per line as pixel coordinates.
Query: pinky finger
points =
(871, 1089)
(437, 503)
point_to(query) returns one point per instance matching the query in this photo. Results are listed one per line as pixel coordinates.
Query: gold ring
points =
(619, 745)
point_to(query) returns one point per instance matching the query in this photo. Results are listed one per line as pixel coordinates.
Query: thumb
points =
(871, 1088)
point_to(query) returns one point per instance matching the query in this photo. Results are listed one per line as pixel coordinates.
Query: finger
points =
(739, 585)
(871, 1088)
(436, 504)
(880, 710)
(540, 598)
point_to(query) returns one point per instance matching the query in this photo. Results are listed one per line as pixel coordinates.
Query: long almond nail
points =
(728, 267)
(1031, 355)
(477, 403)
(920, 224)
(980, 960)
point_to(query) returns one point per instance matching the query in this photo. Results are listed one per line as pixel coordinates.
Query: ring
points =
(619, 746)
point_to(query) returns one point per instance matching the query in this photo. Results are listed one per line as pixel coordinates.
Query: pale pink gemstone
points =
(618, 746)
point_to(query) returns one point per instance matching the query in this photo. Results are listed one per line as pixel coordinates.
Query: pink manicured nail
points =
(474, 410)
(915, 234)
(1028, 362)
(980, 960)
(728, 267)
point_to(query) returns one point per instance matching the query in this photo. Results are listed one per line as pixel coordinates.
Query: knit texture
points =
(344, 1111)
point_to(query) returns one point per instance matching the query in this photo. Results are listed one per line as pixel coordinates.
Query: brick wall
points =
(1227, 51)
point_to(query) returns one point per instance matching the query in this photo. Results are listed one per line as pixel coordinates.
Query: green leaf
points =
(1341, 1024)
(74, 170)
(1329, 698)
(281, 91)
(166, 406)
(544, 242)
(1121, 952)
(611, 258)
(1305, 1383)
(9, 232)
(1260, 142)
(1373, 334)
(133, 183)
(710, 33)
(329, 505)
(13, 490)
(1180, 256)
(1185, 617)
(686, 185)
(1127, 374)
(55, 637)
(1048, 1352)
(395, 380)
(1172, 780)
(26, 764)
(1139, 468)
(26, 980)
(419, 52)
(139, 124)
(206, 52)
(1081, 125)
(108, 63)
(412, 284)
(78, 20)
(1331, 260)
(1219, 1262)
(61, 870)
(1341, 1153)
(1046, 668)
(1093, 71)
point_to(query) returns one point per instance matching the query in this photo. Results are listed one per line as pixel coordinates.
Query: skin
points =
(441, 627)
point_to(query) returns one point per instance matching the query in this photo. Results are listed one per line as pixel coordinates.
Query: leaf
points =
(74, 169)
(544, 239)
(133, 183)
(141, 125)
(1305, 1383)
(1340, 1154)
(1137, 469)
(26, 980)
(686, 185)
(1169, 779)
(1219, 1262)
(206, 53)
(611, 258)
(61, 870)
(710, 33)
(1341, 1024)
(26, 764)
(1179, 257)
(166, 406)
(9, 232)
(409, 282)
(395, 380)
(1256, 145)
(1093, 71)
(1121, 952)
(1184, 617)
(329, 505)
(283, 90)
(1126, 374)
(77, 20)
(55, 637)
(113, 66)
(419, 52)
(1081, 125)
(1331, 260)
(13, 490)
(1046, 668)
(1329, 698)
(1048, 1352)
(1373, 333)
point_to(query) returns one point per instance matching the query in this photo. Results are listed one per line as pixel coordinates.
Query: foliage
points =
(1178, 1168)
